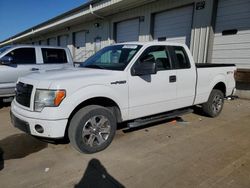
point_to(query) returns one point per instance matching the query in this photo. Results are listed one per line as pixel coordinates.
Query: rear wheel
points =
(92, 129)
(214, 105)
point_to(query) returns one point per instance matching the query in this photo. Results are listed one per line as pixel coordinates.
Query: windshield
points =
(114, 57)
(3, 49)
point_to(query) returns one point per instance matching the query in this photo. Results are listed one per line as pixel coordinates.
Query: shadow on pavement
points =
(199, 111)
(18, 146)
(97, 176)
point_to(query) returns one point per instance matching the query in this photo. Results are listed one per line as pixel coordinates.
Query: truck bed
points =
(210, 65)
(208, 75)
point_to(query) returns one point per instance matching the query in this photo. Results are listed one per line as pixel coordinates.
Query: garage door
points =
(174, 25)
(232, 33)
(43, 42)
(52, 41)
(127, 30)
(79, 43)
(63, 40)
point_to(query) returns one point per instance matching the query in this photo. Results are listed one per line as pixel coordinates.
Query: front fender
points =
(119, 96)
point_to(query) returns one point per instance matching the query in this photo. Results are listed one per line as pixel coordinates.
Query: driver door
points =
(156, 93)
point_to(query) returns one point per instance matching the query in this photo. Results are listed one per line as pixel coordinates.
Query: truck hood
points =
(67, 73)
(69, 77)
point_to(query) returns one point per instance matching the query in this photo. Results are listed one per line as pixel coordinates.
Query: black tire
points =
(214, 105)
(92, 129)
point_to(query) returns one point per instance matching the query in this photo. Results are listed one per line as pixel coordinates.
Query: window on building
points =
(54, 56)
(23, 56)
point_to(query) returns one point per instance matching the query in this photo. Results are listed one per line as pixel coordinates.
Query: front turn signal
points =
(60, 95)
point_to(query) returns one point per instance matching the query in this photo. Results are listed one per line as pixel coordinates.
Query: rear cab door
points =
(185, 75)
(24, 62)
(54, 58)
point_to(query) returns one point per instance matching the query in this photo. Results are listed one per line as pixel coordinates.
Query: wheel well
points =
(221, 86)
(101, 101)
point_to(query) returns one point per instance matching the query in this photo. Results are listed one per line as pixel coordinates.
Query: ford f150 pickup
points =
(21, 60)
(137, 83)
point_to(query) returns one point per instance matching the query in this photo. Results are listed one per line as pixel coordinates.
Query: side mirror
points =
(6, 60)
(146, 67)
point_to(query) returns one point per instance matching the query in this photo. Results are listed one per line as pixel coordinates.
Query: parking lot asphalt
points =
(192, 151)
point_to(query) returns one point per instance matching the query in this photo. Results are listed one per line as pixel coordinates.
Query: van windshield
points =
(3, 49)
(115, 57)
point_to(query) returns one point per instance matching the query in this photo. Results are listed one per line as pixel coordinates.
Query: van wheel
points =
(92, 129)
(214, 105)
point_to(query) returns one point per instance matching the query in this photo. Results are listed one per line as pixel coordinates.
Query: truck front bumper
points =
(37, 127)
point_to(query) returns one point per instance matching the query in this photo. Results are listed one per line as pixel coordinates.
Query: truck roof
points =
(31, 45)
(154, 43)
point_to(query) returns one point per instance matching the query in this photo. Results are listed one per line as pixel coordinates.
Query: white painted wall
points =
(232, 48)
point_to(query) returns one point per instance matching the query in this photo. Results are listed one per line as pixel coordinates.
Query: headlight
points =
(48, 98)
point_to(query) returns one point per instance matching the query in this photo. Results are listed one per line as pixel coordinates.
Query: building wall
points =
(200, 30)
(199, 36)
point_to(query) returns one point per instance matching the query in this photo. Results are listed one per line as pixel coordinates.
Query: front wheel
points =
(214, 105)
(92, 129)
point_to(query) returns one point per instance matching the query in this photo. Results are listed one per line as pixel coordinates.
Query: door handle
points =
(34, 69)
(172, 78)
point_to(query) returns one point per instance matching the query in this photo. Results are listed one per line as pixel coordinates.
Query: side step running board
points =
(157, 118)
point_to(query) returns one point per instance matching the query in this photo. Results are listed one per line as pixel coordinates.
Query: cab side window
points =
(182, 61)
(23, 56)
(54, 56)
(159, 55)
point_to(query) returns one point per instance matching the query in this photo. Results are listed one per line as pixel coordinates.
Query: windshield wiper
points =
(94, 66)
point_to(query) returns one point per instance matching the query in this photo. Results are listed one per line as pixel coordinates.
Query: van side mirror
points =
(146, 67)
(6, 60)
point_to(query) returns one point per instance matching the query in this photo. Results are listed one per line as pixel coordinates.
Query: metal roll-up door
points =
(80, 53)
(63, 40)
(127, 30)
(232, 33)
(52, 41)
(174, 25)
(43, 42)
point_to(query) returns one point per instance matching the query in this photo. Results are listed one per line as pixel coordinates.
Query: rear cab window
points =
(180, 58)
(54, 56)
(23, 56)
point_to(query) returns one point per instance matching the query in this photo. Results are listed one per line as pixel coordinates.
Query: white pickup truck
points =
(134, 82)
(21, 60)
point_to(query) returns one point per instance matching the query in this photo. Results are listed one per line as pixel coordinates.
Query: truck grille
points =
(23, 93)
